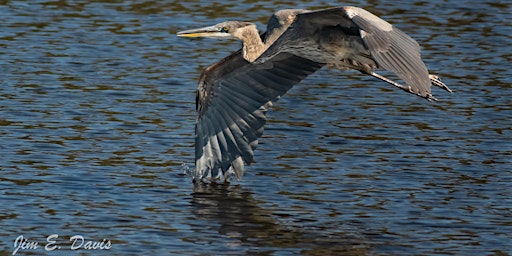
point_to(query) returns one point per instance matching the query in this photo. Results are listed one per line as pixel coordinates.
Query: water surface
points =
(97, 118)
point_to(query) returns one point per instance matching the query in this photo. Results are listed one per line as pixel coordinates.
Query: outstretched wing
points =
(232, 98)
(391, 48)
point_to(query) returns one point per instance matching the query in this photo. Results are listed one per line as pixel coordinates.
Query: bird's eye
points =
(224, 29)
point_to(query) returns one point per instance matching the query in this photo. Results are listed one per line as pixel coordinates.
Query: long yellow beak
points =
(211, 31)
(204, 34)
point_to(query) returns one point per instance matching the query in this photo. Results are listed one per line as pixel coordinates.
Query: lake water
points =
(96, 132)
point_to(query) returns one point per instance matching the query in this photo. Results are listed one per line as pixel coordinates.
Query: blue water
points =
(96, 132)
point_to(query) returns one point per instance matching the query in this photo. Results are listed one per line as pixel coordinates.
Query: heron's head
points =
(228, 29)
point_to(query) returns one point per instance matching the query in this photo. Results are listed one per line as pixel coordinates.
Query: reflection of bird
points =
(234, 93)
(237, 216)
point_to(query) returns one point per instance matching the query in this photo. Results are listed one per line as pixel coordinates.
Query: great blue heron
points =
(234, 94)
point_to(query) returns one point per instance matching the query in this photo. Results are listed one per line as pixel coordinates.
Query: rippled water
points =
(97, 117)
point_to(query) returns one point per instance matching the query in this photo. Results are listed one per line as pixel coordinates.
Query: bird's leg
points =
(408, 89)
(435, 80)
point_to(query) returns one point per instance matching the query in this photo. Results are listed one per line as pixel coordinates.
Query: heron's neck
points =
(253, 47)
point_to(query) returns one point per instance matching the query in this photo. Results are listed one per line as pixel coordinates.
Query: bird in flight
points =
(234, 94)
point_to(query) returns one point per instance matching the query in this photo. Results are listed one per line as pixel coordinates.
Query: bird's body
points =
(331, 44)
(234, 94)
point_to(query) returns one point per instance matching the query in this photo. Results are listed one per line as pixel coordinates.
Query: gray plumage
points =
(234, 94)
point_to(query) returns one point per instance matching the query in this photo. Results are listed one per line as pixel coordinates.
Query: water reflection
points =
(237, 216)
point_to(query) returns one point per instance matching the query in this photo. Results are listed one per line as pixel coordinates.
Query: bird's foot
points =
(436, 80)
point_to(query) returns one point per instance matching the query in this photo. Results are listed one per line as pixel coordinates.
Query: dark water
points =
(97, 117)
